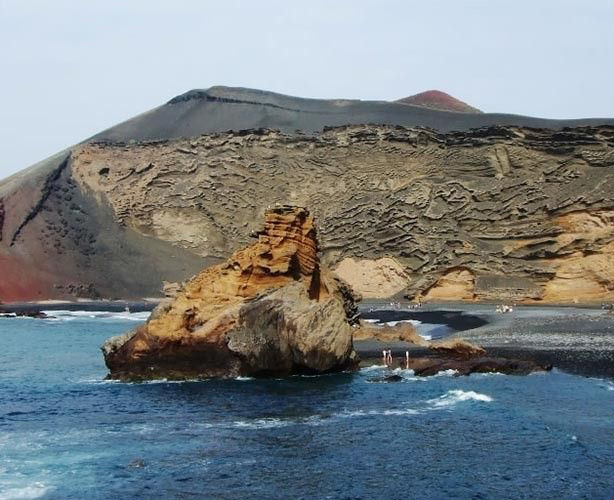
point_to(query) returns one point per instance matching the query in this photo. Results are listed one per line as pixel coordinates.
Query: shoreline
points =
(141, 305)
(576, 339)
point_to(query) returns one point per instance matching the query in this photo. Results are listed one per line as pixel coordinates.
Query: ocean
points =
(67, 433)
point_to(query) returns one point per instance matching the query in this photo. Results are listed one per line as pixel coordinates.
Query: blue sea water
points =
(66, 433)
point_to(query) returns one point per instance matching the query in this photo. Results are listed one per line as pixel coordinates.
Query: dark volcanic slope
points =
(220, 109)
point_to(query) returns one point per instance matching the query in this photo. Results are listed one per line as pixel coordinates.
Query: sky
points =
(73, 68)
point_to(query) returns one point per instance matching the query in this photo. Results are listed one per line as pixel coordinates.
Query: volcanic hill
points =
(436, 99)
(477, 206)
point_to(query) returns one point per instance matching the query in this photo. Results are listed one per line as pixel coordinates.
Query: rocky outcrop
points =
(498, 213)
(270, 309)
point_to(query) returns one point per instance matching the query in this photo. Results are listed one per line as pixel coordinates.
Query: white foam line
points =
(456, 396)
(35, 490)
(66, 315)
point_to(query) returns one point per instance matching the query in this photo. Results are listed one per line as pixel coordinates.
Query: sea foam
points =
(35, 490)
(65, 315)
(456, 396)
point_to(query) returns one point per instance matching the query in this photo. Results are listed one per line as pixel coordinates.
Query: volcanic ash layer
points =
(270, 309)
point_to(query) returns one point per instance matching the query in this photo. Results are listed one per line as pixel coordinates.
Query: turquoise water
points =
(66, 433)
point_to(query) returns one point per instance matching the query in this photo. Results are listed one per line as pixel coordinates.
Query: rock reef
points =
(270, 309)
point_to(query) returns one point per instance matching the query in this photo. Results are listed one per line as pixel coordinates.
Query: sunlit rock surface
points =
(270, 309)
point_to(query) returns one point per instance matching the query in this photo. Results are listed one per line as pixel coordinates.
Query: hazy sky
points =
(73, 68)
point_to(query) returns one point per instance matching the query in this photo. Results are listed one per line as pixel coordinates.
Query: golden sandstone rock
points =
(268, 310)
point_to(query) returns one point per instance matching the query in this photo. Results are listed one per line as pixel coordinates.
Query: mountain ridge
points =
(74, 225)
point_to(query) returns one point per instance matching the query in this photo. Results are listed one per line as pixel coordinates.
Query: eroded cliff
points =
(497, 213)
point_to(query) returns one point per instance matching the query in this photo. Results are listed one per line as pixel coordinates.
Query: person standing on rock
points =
(389, 357)
(385, 356)
(407, 360)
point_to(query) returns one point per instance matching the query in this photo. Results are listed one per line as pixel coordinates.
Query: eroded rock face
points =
(268, 310)
(502, 213)
(498, 213)
(377, 278)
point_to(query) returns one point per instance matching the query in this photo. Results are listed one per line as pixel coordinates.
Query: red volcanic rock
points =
(436, 99)
(1, 218)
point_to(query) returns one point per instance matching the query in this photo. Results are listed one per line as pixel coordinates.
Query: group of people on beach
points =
(415, 305)
(504, 308)
(387, 358)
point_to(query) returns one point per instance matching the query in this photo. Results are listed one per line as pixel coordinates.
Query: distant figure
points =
(389, 357)
(504, 308)
(407, 360)
(385, 356)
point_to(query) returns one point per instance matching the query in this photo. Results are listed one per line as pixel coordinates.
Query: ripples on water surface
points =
(66, 433)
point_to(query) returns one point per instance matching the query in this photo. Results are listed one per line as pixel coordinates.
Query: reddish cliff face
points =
(269, 309)
(1, 218)
(436, 99)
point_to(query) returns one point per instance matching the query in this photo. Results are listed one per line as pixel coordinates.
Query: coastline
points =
(577, 339)
(141, 305)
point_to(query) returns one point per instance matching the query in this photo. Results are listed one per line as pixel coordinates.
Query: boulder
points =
(269, 310)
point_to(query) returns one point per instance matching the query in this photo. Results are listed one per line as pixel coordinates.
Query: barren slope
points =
(496, 213)
(501, 211)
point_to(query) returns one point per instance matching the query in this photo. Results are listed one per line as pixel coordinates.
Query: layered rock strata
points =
(270, 309)
(498, 213)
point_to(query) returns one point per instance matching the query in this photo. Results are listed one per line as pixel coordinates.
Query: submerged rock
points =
(270, 309)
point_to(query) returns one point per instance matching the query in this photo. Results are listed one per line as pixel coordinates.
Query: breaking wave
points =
(63, 315)
(35, 490)
(456, 396)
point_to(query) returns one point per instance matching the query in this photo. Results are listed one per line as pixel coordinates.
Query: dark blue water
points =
(64, 433)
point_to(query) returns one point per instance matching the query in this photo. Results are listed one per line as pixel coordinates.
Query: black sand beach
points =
(577, 340)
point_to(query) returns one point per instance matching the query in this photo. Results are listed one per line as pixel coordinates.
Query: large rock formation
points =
(268, 310)
(502, 213)
(499, 214)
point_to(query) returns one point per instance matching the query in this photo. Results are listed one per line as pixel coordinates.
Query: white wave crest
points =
(35, 490)
(414, 322)
(373, 368)
(103, 381)
(65, 315)
(446, 373)
(456, 396)
(379, 322)
(261, 423)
